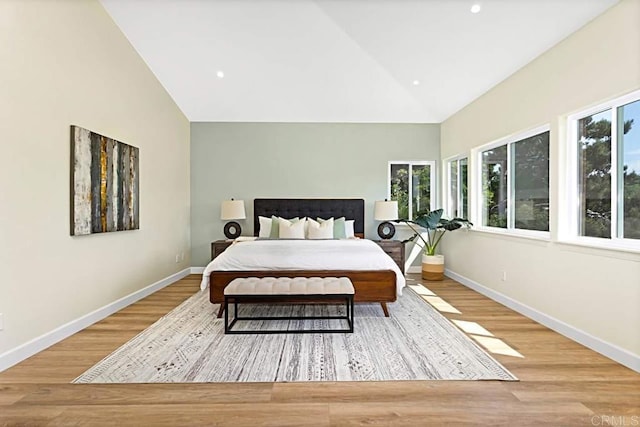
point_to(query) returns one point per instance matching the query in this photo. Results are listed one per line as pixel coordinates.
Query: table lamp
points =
(386, 211)
(231, 210)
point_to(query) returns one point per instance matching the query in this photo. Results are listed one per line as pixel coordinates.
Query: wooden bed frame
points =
(370, 285)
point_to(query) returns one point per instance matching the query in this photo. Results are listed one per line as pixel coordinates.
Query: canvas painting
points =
(104, 184)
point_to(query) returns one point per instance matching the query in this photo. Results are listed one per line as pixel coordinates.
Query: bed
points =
(380, 281)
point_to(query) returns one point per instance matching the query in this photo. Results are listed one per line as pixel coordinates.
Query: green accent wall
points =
(253, 160)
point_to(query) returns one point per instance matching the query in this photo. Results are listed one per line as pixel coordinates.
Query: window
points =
(604, 144)
(494, 187)
(594, 174)
(412, 184)
(515, 182)
(458, 193)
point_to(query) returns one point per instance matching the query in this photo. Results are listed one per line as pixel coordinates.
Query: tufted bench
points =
(287, 289)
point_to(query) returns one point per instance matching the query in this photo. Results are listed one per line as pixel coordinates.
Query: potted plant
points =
(435, 228)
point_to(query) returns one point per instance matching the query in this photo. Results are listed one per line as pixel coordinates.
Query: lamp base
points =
(232, 230)
(386, 230)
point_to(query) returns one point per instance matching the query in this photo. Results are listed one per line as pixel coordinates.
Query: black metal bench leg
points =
(226, 316)
(351, 313)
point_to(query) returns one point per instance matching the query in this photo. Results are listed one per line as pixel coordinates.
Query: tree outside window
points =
(594, 171)
(629, 163)
(494, 187)
(411, 185)
(531, 183)
(607, 210)
(458, 189)
(515, 184)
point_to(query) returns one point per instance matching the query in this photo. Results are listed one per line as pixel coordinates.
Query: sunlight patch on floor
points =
(496, 346)
(472, 327)
(440, 304)
(422, 290)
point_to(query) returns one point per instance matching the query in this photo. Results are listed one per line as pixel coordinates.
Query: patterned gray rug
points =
(189, 345)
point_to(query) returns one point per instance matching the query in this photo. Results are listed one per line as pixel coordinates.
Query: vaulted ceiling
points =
(391, 61)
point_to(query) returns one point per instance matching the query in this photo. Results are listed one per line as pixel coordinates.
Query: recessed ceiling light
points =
(416, 82)
(220, 74)
(475, 8)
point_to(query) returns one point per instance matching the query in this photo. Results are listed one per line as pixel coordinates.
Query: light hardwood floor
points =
(561, 383)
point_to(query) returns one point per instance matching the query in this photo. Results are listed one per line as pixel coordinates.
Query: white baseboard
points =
(36, 345)
(612, 351)
(197, 270)
(414, 269)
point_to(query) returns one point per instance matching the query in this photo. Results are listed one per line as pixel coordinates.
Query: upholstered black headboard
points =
(323, 208)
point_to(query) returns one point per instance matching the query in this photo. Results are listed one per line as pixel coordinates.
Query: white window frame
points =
(432, 181)
(569, 214)
(475, 188)
(446, 165)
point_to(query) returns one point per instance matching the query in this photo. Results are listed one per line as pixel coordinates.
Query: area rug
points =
(189, 345)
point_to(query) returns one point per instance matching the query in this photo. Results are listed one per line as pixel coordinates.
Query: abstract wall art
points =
(104, 184)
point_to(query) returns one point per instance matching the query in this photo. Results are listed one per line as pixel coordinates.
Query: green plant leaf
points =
(450, 226)
(435, 227)
(429, 220)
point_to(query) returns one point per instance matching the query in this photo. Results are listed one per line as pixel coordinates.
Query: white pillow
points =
(291, 230)
(320, 230)
(348, 229)
(310, 222)
(339, 227)
(265, 226)
(275, 225)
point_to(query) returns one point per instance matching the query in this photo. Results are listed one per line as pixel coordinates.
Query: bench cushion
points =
(289, 286)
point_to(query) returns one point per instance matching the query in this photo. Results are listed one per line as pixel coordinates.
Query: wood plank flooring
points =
(561, 383)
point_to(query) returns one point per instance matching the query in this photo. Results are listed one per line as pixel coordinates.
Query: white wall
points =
(65, 62)
(594, 290)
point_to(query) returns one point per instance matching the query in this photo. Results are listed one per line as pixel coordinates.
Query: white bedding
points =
(346, 254)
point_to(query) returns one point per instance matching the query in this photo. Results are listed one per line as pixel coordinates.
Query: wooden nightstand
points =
(219, 246)
(395, 249)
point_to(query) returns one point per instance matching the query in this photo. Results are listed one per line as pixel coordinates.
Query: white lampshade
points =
(232, 209)
(385, 210)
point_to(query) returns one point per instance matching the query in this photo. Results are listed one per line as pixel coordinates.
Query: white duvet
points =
(347, 254)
